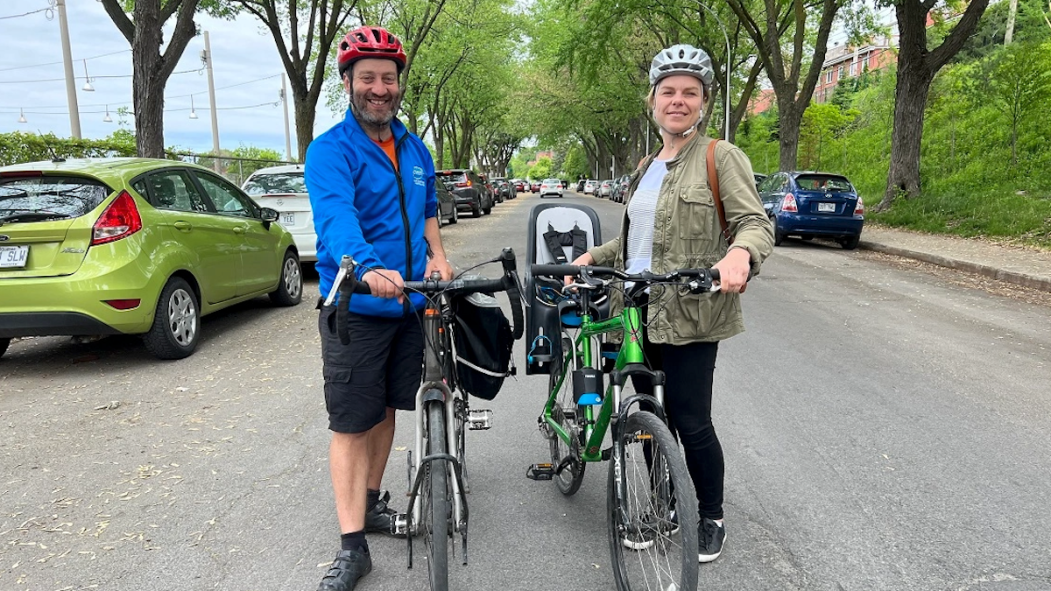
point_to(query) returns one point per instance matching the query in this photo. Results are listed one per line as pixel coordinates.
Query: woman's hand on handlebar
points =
(385, 283)
(733, 270)
(581, 261)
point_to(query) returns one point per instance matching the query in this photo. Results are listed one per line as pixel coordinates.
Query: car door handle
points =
(184, 226)
(239, 230)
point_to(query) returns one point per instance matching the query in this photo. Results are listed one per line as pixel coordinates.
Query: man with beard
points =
(371, 186)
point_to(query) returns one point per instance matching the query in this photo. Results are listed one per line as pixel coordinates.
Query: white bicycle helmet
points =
(682, 59)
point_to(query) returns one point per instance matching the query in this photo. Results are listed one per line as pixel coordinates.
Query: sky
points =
(246, 68)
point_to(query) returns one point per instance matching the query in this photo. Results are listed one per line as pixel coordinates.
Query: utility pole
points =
(284, 109)
(211, 100)
(67, 61)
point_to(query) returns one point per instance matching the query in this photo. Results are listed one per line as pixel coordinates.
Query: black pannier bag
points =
(483, 339)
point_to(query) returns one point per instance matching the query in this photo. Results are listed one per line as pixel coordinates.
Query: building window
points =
(839, 75)
(828, 77)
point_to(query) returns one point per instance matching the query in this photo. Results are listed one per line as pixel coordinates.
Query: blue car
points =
(809, 204)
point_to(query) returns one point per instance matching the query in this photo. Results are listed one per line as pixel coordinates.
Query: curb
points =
(1030, 281)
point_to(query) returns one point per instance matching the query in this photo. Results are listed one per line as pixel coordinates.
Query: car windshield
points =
(55, 195)
(269, 183)
(823, 182)
(553, 182)
(450, 178)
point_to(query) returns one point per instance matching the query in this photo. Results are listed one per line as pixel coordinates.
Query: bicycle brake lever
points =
(346, 265)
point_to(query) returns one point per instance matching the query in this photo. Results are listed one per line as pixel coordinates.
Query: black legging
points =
(689, 371)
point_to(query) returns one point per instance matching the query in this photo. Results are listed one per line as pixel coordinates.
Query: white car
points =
(284, 189)
(551, 187)
(591, 187)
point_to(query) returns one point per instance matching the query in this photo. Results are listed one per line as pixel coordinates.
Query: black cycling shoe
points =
(712, 536)
(379, 518)
(346, 569)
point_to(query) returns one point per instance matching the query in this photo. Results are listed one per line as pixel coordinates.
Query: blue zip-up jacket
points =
(363, 208)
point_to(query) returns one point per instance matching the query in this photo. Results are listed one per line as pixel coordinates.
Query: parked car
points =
(284, 189)
(520, 185)
(591, 187)
(468, 189)
(605, 188)
(809, 204)
(580, 186)
(494, 195)
(620, 187)
(759, 178)
(550, 187)
(504, 189)
(534, 186)
(447, 213)
(133, 246)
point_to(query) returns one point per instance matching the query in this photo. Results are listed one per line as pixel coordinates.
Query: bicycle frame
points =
(596, 423)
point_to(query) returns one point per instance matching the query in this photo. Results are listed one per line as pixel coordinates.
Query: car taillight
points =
(789, 204)
(120, 220)
(464, 184)
(859, 209)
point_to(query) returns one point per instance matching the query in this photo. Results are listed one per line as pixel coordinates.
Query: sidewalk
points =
(1022, 266)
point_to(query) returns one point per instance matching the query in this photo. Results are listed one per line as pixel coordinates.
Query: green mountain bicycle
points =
(652, 507)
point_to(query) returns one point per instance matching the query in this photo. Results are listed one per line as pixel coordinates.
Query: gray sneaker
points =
(711, 537)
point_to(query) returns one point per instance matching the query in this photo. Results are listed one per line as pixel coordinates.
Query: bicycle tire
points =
(638, 518)
(436, 507)
(571, 477)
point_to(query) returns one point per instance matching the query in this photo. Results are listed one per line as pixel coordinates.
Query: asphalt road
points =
(884, 429)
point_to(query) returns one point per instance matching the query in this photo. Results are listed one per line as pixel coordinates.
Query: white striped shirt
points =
(642, 210)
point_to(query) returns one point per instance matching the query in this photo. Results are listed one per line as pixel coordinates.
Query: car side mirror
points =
(268, 215)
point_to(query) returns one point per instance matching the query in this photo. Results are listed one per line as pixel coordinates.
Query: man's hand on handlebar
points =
(440, 264)
(733, 270)
(385, 283)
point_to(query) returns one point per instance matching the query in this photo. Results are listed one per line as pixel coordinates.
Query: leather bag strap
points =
(713, 182)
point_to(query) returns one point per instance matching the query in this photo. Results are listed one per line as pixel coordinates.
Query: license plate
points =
(288, 218)
(13, 257)
(826, 207)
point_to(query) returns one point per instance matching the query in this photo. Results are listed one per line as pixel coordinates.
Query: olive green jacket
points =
(687, 234)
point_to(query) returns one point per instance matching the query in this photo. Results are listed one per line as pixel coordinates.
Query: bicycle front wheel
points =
(436, 502)
(652, 510)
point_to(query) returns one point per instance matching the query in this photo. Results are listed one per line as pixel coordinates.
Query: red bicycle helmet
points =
(369, 42)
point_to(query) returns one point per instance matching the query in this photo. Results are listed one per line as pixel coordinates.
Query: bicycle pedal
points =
(540, 472)
(400, 525)
(479, 419)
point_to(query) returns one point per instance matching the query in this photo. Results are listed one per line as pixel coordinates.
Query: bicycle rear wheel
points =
(435, 503)
(652, 510)
(564, 413)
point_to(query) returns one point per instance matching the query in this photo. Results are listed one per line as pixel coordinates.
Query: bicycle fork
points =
(434, 393)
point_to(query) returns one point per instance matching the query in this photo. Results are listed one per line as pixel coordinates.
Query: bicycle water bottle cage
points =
(587, 386)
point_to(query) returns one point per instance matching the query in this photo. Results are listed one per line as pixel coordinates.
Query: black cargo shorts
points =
(382, 366)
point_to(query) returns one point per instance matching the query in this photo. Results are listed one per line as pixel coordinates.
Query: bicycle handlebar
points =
(347, 283)
(586, 271)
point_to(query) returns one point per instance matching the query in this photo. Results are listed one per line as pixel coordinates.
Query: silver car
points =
(551, 187)
(284, 189)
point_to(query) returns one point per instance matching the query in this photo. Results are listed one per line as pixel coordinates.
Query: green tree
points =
(1021, 84)
(575, 164)
(305, 33)
(141, 23)
(541, 170)
(822, 123)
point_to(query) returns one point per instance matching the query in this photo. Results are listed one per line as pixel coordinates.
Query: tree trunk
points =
(305, 114)
(148, 98)
(1011, 12)
(791, 118)
(910, 99)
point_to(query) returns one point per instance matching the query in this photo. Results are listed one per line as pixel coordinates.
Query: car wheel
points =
(289, 290)
(778, 236)
(3, 346)
(488, 210)
(176, 322)
(850, 243)
(476, 209)
(455, 217)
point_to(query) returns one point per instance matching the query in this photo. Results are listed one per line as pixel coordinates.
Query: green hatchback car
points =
(133, 246)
